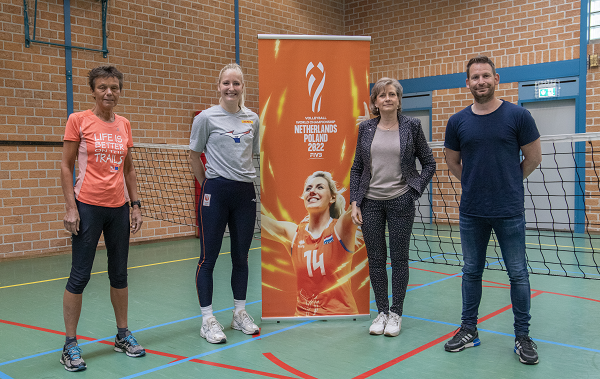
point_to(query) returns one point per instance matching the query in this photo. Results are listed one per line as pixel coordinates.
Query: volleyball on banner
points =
(312, 89)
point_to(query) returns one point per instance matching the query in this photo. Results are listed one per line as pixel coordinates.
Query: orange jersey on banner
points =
(320, 264)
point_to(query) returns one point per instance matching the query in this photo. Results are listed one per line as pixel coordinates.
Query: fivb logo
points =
(316, 95)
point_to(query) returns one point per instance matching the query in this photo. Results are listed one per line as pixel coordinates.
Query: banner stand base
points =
(276, 320)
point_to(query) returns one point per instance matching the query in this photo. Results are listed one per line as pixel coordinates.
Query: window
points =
(594, 19)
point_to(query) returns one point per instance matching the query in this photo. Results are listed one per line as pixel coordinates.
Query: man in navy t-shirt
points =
(483, 145)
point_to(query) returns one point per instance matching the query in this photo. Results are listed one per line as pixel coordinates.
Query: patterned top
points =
(413, 145)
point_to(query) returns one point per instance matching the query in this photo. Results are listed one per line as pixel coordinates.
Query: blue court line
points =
(112, 336)
(423, 285)
(217, 350)
(502, 333)
(4, 376)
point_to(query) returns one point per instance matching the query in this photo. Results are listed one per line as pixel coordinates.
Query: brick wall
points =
(419, 38)
(171, 53)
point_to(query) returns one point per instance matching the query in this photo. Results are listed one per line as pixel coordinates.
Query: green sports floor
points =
(165, 317)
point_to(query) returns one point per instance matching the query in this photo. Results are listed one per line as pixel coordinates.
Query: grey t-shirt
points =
(229, 140)
(386, 177)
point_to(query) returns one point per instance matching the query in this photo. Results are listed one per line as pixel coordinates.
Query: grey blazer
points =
(412, 145)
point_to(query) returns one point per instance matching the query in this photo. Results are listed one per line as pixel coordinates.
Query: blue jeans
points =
(475, 234)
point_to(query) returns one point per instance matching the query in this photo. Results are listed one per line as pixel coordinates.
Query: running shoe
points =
(244, 322)
(212, 331)
(526, 349)
(378, 325)
(462, 339)
(71, 358)
(393, 325)
(129, 346)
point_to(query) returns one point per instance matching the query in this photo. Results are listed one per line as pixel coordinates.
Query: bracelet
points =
(137, 202)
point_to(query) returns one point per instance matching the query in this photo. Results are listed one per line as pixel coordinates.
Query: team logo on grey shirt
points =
(236, 137)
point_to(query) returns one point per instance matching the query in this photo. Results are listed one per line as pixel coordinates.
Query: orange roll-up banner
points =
(312, 89)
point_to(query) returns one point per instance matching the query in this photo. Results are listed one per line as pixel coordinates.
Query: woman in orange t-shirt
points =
(101, 141)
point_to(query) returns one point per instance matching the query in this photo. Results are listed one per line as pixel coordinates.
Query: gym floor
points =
(165, 318)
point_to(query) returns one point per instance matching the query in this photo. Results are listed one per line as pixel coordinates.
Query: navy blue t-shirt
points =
(489, 146)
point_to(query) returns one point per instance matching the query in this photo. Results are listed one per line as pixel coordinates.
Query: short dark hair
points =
(104, 72)
(481, 59)
(380, 86)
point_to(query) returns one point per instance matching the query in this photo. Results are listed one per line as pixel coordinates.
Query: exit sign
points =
(546, 89)
(547, 92)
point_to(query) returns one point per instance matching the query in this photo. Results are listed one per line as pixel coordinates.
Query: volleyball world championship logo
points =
(316, 94)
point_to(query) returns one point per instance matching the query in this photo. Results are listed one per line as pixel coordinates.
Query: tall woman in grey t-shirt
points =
(384, 184)
(228, 134)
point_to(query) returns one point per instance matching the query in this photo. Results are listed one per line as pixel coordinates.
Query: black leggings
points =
(399, 214)
(224, 203)
(95, 220)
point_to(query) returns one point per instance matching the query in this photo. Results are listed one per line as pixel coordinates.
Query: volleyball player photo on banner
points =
(312, 89)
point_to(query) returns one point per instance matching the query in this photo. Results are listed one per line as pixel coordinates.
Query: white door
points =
(550, 192)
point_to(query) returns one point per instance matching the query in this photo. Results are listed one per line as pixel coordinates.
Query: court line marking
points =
(90, 339)
(4, 376)
(287, 367)
(426, 346)
(194, 358)
(155, 352)
(103, 272)
(216, 350)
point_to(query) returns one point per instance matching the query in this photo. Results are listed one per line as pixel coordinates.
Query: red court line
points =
(435, 272)
(564, 294)
(160, 353)
(287, 367)
(432, 343)
(268, 374)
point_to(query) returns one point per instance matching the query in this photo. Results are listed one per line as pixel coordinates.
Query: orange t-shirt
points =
(102, 150)
(319, 264)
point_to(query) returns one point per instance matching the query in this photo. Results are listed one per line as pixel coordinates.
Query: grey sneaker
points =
(244, 322)
(378, 325)
(129, 346)
(71, 358)
(212, 331)
(392, 327)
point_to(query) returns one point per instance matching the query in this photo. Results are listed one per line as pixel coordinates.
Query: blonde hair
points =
(235, 67)
(339, 206)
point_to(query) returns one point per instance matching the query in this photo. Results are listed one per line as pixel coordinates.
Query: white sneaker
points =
(394, 322)
(378, 324)
(244, 322)
(212, 331)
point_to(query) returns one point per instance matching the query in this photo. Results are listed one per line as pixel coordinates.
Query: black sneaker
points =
(525, 348)
(462, 339)
(71, 358)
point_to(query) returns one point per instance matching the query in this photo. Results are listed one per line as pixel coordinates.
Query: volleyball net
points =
(167, 184)
(562, 205)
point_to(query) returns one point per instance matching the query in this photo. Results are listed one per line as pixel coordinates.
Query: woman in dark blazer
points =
(384, 185)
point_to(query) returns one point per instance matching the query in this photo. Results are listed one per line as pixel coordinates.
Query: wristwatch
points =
(137, 202)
